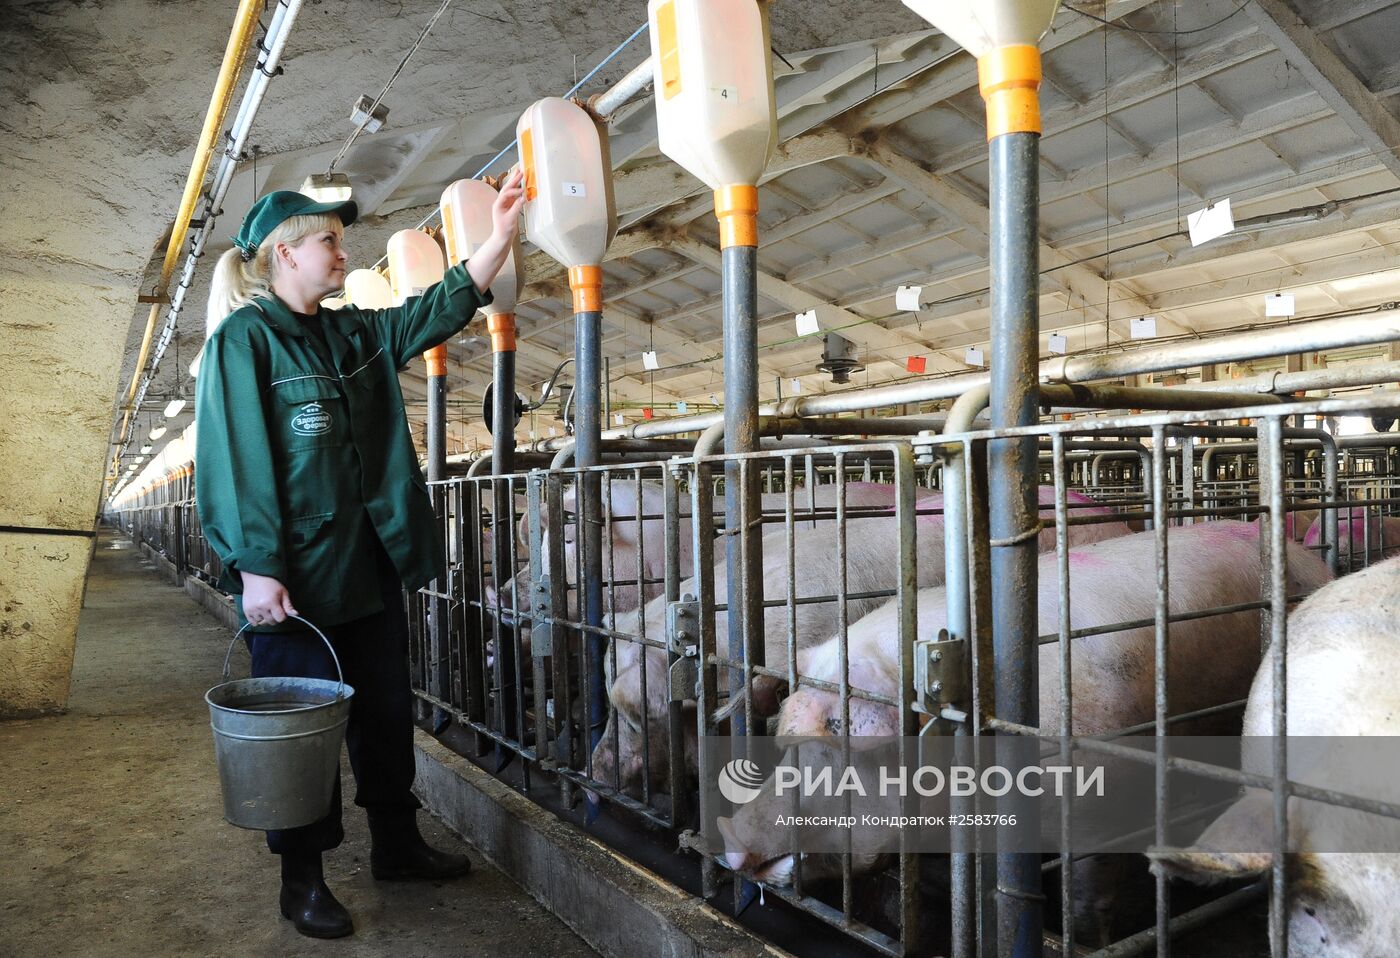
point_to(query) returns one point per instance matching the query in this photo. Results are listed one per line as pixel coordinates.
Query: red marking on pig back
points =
(1083, 560)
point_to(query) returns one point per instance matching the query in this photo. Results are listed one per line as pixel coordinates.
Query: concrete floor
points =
(112, 840)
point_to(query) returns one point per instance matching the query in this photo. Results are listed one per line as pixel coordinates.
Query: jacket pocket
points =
(310, 412)
(313, 564)
(367, 376)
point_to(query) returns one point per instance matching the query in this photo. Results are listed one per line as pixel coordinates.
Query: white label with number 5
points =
(573, 189)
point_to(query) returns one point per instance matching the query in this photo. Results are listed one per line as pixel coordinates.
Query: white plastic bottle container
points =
(466, 224)
(368, 290)
(980, 26)
(415, 263)
(713, 74)
(569, 210)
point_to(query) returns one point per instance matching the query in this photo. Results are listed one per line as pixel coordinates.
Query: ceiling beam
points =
(1078, 279)
(1334, 81)
(1366, 261)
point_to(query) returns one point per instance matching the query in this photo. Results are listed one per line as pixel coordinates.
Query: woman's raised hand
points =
(505, 211)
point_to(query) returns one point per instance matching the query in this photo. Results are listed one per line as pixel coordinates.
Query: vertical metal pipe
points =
(502, 328)
(588, 410)
(1161, 690)
(1015, 264)
(439, 674)
(745, 588)
(1276, 593)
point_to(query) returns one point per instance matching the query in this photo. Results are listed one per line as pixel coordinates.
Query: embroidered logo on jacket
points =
(311, 420)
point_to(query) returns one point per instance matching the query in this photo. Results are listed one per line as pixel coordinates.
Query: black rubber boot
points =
(307, 901)
(399, 853)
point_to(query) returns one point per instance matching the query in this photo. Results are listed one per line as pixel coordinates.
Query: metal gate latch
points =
(682, 638)
(940, 674)
(541, 621)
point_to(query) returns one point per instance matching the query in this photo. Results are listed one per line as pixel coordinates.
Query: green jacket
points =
(299, 465)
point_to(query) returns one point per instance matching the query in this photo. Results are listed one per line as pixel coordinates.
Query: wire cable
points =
(1180, 33)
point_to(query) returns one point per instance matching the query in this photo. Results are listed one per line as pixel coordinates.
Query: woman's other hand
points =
(265, 600)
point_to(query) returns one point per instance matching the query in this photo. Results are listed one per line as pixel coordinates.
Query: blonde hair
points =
(237, 283)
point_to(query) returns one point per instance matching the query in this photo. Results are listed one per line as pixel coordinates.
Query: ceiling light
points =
(145, 450)
(367, 117)
(157, 433)
(138, 460)
(327, 187)
(173, 408)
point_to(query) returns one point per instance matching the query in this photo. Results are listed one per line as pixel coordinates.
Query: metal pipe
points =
(635, 81)
(502, 330)
(1336, 377)
(588, 409)
(439, 672)
(245, 22)
(1014, 262)
(1358, 329)
(279, 28)
(739, 265)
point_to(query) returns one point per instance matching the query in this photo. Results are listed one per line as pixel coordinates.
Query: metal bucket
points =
(277, 742)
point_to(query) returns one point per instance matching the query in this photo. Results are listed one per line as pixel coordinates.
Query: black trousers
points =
(373, 653)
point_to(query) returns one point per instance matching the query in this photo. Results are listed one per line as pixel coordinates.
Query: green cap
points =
(276, 207)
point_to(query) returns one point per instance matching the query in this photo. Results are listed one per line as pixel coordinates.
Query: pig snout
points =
(756, 864)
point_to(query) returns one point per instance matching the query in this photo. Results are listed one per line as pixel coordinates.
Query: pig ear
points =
(1229, 848)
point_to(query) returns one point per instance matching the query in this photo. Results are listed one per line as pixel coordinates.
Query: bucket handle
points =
(340, 692)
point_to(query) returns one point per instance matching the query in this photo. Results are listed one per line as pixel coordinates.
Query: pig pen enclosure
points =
(608, 651)
(603, 659)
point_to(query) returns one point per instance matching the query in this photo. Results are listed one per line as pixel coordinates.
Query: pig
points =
(872, 564)
(625, 541)
(624, 545)
(1343, 667)
(1212, 661)
(1354, 549)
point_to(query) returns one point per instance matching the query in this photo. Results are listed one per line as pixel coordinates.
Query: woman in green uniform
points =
(308, 489)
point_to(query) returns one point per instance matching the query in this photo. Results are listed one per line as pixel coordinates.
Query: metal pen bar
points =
(1162, 652)
(1066, 716)
(1271, 441)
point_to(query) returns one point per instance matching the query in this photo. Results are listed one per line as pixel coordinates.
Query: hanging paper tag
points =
(916, 364)
(620, 419)
(973, 356)
(681, 407)
(1144, 327)
(1215, 220)
(807, 323)
(1058, 344)
(796, 386)
(649, 360)
(907, 298)
(1278, 304)
(647, 413)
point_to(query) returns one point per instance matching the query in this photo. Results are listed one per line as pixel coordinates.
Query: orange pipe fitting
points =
(436, 358)
(501, 326)
(1009, 78)
(587, 284)
(736, 208)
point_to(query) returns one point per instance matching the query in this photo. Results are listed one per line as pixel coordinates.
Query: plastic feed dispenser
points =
(366, 289)
(713, 76)
(415, 263)
(980, 26)
(466, 224)
(569, 210)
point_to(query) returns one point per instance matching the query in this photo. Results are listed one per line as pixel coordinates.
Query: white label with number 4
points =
(573, 189)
